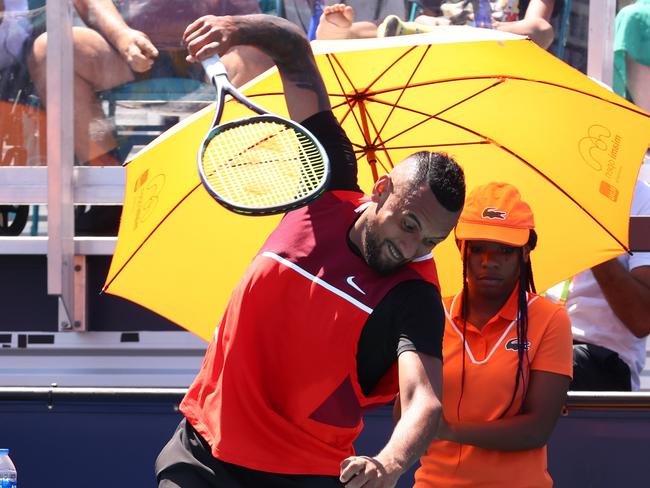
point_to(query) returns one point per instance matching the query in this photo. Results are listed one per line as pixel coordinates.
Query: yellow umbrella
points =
(504, 108)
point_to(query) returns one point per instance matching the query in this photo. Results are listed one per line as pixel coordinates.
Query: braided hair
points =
(526, 284)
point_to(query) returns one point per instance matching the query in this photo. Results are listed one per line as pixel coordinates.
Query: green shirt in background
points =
(632, 38)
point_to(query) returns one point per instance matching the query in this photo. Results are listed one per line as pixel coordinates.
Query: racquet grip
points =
(214, 67)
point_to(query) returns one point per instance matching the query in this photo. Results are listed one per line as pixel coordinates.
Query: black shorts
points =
(186, 462)
(171, 64)
(597, 368)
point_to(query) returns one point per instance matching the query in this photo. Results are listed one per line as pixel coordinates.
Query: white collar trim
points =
(496, 345)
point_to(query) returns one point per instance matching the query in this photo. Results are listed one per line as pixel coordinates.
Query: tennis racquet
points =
(259, 165)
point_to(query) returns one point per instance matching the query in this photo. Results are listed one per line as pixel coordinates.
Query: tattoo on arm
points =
(287, 45)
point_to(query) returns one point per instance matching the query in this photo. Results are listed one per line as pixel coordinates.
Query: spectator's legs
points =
(97, 66)
(638, 81)
(337, 22)
(244, 63)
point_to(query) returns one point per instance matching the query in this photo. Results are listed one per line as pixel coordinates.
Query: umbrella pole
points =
(369, 150)
(372, 161)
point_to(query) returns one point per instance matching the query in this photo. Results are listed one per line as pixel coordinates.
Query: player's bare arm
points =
(628, 294)
(420, 386)
(281, 40)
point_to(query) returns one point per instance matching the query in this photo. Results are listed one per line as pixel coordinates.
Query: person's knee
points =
(167, 484)
(35, 59)
(97, 62)
(580, 355)
(244, 63)
(39, 48)
(181, 476)
(542, 33)
(582, 368)
(37, 55)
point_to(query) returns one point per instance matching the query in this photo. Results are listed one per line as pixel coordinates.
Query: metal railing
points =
(60, 185)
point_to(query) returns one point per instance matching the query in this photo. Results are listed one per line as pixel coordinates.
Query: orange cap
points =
(495, 212)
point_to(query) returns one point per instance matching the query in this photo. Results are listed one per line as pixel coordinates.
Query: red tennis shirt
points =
(278, 388)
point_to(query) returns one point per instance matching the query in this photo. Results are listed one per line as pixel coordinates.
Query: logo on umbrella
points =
(493, 213)
(147, 196)
(600, 148)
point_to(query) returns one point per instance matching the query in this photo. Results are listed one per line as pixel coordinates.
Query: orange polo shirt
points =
(490, 366)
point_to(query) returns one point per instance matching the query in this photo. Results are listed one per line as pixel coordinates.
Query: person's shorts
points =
(597, 368)
(186, 462)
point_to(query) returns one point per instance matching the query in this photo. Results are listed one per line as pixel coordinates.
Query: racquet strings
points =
(262, 164)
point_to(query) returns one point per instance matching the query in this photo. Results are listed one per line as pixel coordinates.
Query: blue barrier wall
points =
(103, 440)
(86, 443)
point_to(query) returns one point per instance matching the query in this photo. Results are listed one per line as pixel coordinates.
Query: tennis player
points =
(338, 311)
(507, 355)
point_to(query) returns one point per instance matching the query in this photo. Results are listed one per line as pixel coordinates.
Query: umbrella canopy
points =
(503, 107)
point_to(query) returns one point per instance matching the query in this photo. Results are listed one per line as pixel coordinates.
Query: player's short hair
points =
(444, 176)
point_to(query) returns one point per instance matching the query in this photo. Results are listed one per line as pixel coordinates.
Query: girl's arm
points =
(528, 430)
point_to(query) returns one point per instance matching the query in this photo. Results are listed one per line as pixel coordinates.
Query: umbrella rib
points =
(361, 148)
(407, 85)
(422, 146)
(355, 100)
(503, 78)
(347, 112)
(357, 93)
(379, 76)
(349, 103)
(638, 111)
(500, 79)
(627, 249)
(480, 92)
(360, 153)
(491, 141)
(436, 115)
(381, 141)
(144, 241)
(531, 166)
(444, 80)
(370, 149)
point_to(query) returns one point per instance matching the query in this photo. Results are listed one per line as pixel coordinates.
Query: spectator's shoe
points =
(391, 26)
(13, 219)
(97, 220)
(461, 18)
(394, 26)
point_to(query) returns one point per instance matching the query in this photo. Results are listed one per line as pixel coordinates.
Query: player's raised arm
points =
(283, 41)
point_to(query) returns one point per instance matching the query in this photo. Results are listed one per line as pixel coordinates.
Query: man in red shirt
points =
(339, 310)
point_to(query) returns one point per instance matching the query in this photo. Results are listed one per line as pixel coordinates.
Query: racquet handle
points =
(214, 67)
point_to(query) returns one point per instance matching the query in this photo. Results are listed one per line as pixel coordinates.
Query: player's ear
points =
(383, 187)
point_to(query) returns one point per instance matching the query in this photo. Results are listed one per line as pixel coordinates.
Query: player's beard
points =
(372, 248)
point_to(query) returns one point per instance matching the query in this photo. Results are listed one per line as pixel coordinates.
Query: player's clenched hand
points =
(367, 472)
(137, 49)
(209, 35)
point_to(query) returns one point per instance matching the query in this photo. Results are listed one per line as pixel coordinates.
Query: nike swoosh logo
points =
(350, 281)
